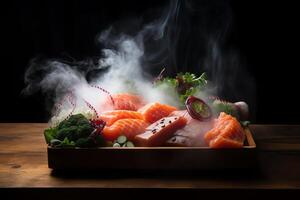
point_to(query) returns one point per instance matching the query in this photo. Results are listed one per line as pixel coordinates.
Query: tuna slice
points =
(160, 131)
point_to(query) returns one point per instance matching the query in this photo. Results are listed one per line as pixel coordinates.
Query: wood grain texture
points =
(23, 164)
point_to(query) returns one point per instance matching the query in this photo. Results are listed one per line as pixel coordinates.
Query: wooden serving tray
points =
(154, 158)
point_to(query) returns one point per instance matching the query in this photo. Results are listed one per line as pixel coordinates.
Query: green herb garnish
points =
(184, 85)
(223, 106)
(75, 131)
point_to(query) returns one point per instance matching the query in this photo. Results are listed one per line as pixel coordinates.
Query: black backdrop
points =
(264, 33)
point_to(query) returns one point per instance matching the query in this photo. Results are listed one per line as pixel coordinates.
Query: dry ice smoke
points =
(174, 40)
(122, 57)
(125, 72)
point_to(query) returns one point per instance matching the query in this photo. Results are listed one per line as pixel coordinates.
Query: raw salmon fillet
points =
(127, 101)
(155, 111)
(128, 127)
(111, 117)
(226, 133)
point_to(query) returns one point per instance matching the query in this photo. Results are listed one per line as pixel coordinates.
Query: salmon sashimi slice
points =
(128, 127)
(125, 101)
(155, 111)
(226, 133)
(160, 131)
(111, 117)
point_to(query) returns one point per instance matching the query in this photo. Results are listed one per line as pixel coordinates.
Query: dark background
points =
(264, 33)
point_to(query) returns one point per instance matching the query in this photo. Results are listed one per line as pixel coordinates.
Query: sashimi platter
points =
(148, 134)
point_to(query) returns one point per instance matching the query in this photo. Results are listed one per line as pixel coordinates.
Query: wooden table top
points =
(23, 164)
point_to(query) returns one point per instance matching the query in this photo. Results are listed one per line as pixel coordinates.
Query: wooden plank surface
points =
(23, 164)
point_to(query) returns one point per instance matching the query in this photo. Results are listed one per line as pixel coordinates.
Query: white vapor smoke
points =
(125, 72)
(124, 61)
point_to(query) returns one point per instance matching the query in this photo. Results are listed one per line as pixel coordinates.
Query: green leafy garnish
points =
(77, 126)
(50, 134)
(85, 142)
(67, 143)
(223, 106)
(184, 85)
(76, 131)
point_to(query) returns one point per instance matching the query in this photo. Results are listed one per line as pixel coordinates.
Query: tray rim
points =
(164, 158)
(249, 138)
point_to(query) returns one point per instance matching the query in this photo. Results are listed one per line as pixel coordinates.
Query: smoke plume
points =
(188, 36)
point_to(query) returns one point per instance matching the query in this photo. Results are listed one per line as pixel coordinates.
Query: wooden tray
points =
(154, 158)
